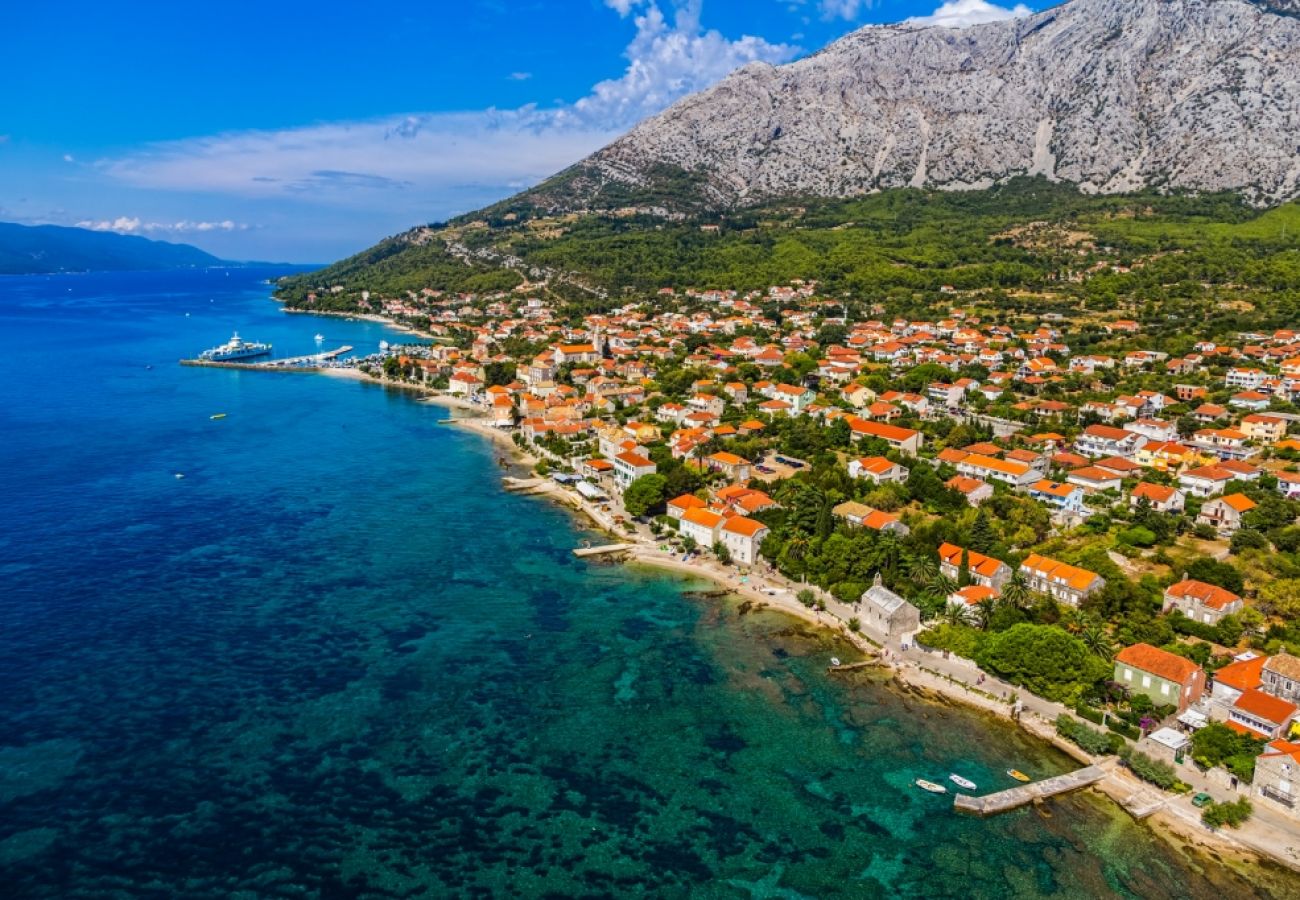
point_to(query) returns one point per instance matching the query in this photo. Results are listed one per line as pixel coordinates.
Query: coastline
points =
(1181, 829)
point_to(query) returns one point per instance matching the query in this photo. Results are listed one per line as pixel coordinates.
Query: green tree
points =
(644, 495)
(722, 553)
(1044, 658)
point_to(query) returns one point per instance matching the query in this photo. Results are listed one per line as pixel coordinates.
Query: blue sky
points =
(298, 131)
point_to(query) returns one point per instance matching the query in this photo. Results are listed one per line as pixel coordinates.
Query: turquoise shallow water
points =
(336, 660)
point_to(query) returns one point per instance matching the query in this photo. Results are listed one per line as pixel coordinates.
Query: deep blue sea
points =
(336, 660)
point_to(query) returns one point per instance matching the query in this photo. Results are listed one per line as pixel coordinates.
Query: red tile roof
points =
(1160, 663)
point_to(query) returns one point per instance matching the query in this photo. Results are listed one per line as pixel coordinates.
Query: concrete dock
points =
(1012, 798)
(295, 363)
(603, 549)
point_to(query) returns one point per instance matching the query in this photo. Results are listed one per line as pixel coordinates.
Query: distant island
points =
(41, 249)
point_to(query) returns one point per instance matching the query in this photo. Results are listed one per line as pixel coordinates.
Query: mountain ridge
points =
(1110, 95)
(44, 249)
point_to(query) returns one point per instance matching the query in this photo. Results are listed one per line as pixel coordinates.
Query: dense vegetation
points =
(904, 245)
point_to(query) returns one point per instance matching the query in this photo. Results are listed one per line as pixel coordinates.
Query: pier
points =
(296, 363)
(1013, 798)
(603, 549)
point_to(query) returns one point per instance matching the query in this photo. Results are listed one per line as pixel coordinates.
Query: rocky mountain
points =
(38, 249)
(1111, 95)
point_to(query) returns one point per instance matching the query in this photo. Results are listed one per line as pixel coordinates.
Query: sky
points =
(304, 132)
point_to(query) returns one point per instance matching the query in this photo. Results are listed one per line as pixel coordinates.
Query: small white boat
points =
(931, 786)
(835, 660)
(320, 338)
(180, 475)
(965, 783)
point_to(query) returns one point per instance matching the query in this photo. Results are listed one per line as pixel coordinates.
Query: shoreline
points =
(1184, 832)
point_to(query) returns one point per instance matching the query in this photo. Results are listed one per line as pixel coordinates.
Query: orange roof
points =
(600, 465)
(634, 459)
(1265, 706)
(687, 501)
(1242, 675)
(705, 517)
(975, 593)
(963, 484)
(1240, 502)
(1156, 493)
(878, 520)
(744, 526)
(881, 430)
(995, 465)
(728, 459)
(876, 464)
(1075, 577)
(1092, 473)
(1211, 595)
(976, 562)
(1161, 663)
(952, 455)
(1282, 748)
(1053, 488)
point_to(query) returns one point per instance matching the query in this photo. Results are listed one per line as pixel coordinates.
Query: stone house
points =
(886, 612)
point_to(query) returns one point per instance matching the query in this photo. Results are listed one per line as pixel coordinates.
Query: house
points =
(1263, 428)
(976, 491)
(905, 440)
(1161, 497)
(1061, 497)
(1277, 777)
(1288, 485)
(1230, 682)
(1107, 440)
(629, 466)
(1223, 514)
(1093, 479)
(983, 570)
(734, 467)
(887, 613)
(1204, 481)
(679, 506)
(1068, 584)
(743, 536)
(877, 469)
(702, 525)
(1166, 678)
(863, 516)
(798, 397)
(1200, 601)
(1281, 677)
(990, 468)
(1261, 714)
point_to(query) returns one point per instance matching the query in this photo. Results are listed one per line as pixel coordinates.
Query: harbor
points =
(308, 363)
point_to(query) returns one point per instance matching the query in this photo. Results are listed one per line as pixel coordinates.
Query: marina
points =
(307, 363)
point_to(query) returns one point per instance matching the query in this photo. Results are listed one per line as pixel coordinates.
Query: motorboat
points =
(931, 786)
(964, 783)
(1018, 775)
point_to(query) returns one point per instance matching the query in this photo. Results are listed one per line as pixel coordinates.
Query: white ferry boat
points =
(235, 348)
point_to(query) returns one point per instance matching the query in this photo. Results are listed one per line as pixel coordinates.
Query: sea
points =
(313, 649)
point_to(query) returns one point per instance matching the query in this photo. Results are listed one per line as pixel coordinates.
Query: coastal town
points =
(1104, 537)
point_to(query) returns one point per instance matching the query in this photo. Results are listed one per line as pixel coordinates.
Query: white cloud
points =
(964, 13)
(134, 225)
(437, 154)
(67, 157)
(844, 9)
(519, 76)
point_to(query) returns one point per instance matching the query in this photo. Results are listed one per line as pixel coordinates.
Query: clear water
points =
(336, 660)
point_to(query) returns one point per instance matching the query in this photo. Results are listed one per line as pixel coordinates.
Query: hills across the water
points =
(41, 249)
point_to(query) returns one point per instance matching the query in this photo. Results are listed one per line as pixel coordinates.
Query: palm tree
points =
(923, 569)
(984, 611)
(1093, 634)
(958, 614)
(797, 546)
(1016, 591)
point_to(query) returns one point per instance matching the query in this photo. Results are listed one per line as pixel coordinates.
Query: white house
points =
(877, 469)
(743, 536)
(629, 466)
